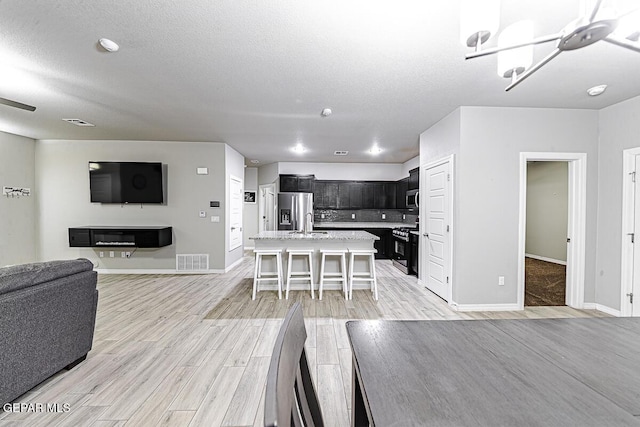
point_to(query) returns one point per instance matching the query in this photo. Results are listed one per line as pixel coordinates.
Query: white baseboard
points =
(484, 307)
(608, 310)
(232, 266)
(153, 271)
(544, 258)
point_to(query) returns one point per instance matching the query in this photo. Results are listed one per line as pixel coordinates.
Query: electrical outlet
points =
(123, 254)
(321, 216)
(112, 254)
(127, 254)
(404, 217)
(384, 216)
(101, 254)
(500, 280)
(353, 216)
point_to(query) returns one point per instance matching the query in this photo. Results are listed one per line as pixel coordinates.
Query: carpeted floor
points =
(545, 283)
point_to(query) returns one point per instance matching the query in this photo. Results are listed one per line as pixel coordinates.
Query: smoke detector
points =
(326, 112)
(109, 45)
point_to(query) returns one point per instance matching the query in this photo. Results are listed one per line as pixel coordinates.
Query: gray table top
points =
(551, 372)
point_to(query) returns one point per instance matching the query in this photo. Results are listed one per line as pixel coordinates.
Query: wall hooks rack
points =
(15, 191)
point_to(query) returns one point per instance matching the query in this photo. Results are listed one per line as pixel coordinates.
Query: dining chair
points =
(290, 397)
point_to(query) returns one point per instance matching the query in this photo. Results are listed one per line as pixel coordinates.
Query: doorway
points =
(576, 223)
(267, 208)
(546, 233)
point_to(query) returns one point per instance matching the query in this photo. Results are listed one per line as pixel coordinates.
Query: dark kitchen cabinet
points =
(401, 193)
(355, 195)
(318, 194)
(384, 196)
(344, 188)
(414, 179)
(330, 195)
(368, 192)
(296, 183)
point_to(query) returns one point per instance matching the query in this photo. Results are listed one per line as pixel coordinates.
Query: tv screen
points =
(126, 182)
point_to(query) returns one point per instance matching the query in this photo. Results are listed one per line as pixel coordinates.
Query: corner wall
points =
(17, 214)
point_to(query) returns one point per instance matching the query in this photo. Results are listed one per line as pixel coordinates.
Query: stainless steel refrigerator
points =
(294, 210)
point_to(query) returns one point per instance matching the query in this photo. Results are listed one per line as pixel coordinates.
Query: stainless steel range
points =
(402, 249)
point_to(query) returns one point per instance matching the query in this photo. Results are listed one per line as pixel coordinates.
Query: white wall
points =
(250, 214)
(345, 171)
(62, 180)
(234, 166)
(488, 184)
(410, 164)
(268, 174)
(619, 130)
(547, 209)
(17, 214)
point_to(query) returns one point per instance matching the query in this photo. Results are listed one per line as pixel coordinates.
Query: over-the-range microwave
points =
(413, 199)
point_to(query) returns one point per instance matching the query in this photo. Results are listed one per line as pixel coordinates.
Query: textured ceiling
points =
(257, 74)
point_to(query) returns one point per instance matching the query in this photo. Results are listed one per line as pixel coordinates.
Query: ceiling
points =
(256, 75)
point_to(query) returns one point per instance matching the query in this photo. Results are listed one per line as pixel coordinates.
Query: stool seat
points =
(340, 276)
(259, 275)
(300, 275)
(363, 276)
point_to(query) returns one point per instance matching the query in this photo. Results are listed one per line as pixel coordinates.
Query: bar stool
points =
(300, 275)
(340, 276)
(259, 275)
(366, 276)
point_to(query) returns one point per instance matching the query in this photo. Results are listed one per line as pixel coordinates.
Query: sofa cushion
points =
(23, 276)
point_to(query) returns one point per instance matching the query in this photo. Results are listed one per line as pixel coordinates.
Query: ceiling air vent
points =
(79, 122)
(340, 153)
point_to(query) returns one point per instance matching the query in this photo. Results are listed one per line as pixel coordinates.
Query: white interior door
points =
(267, 207)
(635, 289)
(236, 199)
(436, 241)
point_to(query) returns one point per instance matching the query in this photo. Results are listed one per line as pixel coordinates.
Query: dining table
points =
(529, 372)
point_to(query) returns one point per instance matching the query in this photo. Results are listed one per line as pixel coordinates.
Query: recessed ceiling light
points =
(375, 150)
(298, 149)
(79, 122)
(255, 161)
(326, 112)
(596, 90)
(109, 45)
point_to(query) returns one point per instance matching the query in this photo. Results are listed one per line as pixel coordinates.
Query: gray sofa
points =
(47, 318)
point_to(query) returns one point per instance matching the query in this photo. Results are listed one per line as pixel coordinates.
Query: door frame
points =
(626, 254)
(241, 182)
(423, 214)
(576, 224)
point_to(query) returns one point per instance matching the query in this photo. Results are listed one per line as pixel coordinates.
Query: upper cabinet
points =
(414, 179)
(402, 187)
(296, 183)
(354, 195)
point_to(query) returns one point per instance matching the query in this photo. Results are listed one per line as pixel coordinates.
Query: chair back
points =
(290, 397)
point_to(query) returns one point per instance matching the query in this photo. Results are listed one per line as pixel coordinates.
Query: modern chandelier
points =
(480, 21)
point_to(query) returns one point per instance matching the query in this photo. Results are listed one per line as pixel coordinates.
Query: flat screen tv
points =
(126, 182)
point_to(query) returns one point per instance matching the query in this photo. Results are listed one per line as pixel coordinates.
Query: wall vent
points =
(192, 262)
(78, 122)
(340, 153)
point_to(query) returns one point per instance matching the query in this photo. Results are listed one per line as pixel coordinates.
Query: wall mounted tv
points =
(126, 182)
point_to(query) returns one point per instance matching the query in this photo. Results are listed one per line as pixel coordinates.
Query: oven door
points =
(401, 257)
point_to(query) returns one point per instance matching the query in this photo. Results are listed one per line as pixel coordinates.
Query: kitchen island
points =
(315, 240)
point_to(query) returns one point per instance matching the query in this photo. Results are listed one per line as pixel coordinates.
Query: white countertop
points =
(325, 235)
(355, 224)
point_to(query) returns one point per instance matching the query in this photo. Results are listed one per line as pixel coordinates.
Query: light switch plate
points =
(203, 214)
(202, 171)
(215, 218)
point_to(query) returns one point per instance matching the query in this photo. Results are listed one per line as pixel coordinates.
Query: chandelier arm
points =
(622, 43)
(596, 8)
(533, 69)
(493, 50)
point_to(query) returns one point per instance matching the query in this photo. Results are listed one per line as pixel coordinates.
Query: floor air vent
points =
(192, 262)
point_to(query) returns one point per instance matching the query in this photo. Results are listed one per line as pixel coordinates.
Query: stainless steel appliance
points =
(401, 249)
(295, 211)
(413, 199)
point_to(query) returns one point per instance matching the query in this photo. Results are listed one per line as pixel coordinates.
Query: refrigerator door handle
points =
(294, 214)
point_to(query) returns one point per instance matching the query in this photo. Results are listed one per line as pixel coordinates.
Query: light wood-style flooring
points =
(157, 361)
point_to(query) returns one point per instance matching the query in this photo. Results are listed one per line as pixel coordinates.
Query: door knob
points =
(426, 235)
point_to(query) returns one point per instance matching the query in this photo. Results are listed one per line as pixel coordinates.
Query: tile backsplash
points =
(364, 215)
